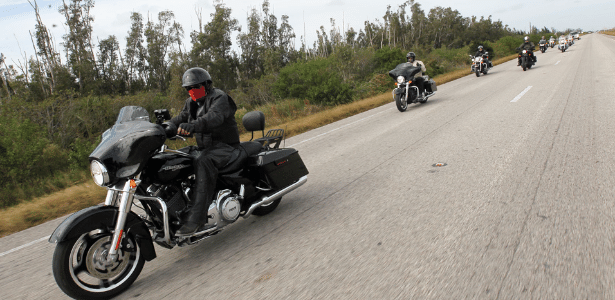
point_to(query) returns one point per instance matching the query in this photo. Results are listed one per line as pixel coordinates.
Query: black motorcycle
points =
(543, 46)
(406, 92)
(527, 58)
(101, 250)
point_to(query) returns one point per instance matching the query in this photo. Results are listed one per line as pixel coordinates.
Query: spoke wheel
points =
(400, 101)
(81, 269)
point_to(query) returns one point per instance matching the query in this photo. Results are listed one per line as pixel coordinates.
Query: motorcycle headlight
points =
(400, 79)
(524, 51)
(99, 173)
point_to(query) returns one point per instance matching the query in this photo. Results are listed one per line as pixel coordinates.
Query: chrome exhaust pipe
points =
(268, 199)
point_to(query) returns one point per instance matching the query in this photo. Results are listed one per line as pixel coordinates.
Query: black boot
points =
(196, 217)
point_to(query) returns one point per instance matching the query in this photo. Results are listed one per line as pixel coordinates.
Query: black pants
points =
(420, 83)
(207, 162)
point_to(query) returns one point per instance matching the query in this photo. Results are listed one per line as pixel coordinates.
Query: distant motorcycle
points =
(563, 45)
(101, 250)
(551, 42)
(479, 64)
(406, 92)
(526, 59)
(543, 46)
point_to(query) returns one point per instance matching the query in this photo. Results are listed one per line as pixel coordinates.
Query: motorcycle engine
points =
(229, 207)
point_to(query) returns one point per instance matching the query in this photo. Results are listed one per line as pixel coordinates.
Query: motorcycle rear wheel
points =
(400, 101)
(80, 268)
(266, 209)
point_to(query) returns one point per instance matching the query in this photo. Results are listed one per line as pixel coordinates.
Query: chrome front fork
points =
(125, 203)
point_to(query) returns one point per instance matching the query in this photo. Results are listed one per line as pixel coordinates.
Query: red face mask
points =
(197, 93)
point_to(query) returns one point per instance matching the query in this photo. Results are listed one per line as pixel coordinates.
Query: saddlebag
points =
(430, 86)
(280, 167)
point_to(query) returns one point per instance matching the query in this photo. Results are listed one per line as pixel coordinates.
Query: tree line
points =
(60, 101)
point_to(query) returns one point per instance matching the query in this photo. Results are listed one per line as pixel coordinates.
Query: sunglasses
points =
(188, 88)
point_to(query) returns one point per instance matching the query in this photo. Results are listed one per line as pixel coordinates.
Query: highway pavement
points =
(499, 187)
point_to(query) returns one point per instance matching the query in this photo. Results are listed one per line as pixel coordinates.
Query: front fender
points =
(104, 217)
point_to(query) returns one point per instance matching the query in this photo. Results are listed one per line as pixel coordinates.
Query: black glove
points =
(185, 129)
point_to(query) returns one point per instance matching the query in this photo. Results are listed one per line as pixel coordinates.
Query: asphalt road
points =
(521, 208)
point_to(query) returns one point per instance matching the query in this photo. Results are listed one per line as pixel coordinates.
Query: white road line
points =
(521, 95)
(557, 62)
(336, 129)
(24, 246)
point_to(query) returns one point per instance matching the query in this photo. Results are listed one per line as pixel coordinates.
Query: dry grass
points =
(609, 32)
(47, 208)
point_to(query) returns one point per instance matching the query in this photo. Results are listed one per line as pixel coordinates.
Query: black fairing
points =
(404, 69)
(127, 145)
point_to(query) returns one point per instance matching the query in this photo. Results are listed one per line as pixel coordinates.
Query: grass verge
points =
(40, 210)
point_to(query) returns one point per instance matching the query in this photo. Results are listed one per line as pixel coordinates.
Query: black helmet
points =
(196, 76)
(410, 54)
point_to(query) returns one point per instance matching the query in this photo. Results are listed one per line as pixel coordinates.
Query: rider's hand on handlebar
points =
(185, 129)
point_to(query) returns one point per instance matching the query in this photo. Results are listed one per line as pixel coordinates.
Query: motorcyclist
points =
(209, 113)
(542, 40)
(481, 52)
(418, 81)
(529, 46)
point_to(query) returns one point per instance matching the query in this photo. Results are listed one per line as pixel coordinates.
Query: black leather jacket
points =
(527, 46)
(480, 53)
(213, 117)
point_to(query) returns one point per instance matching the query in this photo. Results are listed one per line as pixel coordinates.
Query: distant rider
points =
(481, 52)
(418, 81)
(529, 46)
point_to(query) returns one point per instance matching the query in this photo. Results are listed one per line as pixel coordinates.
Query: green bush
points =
(386, 58)
(507, 45)
(312, 80)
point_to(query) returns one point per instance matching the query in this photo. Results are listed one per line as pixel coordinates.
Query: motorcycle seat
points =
(240, 156)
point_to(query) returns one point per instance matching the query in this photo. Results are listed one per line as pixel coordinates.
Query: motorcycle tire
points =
(477, 73)
(84, 255)
(401, 104)
(266, 209)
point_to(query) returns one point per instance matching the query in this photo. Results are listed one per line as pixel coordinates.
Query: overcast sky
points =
(112, 17)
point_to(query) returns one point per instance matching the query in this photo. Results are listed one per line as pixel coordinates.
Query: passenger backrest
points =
(254, 121)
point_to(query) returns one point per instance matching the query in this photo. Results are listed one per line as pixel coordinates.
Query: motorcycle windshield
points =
(132, 113)
(127, 145)
(404, 69)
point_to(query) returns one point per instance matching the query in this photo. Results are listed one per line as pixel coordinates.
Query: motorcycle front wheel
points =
(81, 269)
(400, 101)
(477, 73)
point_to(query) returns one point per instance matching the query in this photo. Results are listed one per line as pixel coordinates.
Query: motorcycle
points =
(563, 45)
(527, 60)
(551, 43)
(543, 46)
(479, 64)
(406, 92)
(101, 250)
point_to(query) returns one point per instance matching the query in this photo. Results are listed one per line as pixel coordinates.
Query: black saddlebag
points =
(430, 86)
(280, 167)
